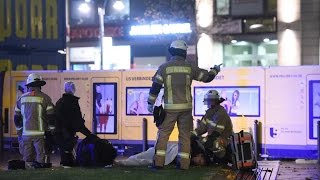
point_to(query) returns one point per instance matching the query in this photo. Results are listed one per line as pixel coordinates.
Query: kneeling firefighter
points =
(217, 123)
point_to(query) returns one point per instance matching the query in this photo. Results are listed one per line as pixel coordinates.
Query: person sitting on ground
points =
(217, 123)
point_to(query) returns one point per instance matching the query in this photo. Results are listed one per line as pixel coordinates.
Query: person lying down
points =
(145, 158)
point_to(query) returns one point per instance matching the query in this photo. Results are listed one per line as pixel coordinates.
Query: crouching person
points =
(217, 123)
(34, 114)
(69, 121)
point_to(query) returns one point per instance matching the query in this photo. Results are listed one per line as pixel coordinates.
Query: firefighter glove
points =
(217, 68)
(150, 108)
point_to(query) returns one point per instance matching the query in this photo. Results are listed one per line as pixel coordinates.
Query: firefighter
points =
(33, 116)
(217, 123)
(69, 121)
(176, 77)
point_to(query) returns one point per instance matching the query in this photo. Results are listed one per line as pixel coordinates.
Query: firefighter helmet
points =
(179, 44)
(34, 80)
(211, 97)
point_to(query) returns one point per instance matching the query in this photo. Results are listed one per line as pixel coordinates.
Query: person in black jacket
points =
(69, 121)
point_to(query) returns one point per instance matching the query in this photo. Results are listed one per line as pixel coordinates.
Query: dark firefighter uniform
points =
(34, 115)
(176, 77)
(217, 123)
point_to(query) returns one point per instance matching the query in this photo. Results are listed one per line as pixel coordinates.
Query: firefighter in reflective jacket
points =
(176, 77)
(34, 114)
(217, 123)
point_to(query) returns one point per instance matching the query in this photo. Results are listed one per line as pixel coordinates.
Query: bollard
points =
(318, 142)
(144, 134)
(255, 136)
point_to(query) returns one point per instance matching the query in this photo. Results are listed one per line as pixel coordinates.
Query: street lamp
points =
(101, 12)
(85, 8)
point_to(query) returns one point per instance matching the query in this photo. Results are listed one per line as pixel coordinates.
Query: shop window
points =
(250, 54)
(260, 25)
(222, 7)
(81, 66)
(272, 7)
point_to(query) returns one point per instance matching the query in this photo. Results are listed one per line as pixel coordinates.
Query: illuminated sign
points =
(38, 13)
(158, 29)
(32, 23)
(85, 33)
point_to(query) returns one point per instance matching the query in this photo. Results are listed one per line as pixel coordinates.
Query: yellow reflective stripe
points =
(161, 152)
(220, 127)
(31, 100)
(204, 121)
(215, 125)
(213, 71)
(23, 117)
(178, 106)
(211, 123)
(200, 76)
(194, 133)
(159, 78)
(178, 69)
(40, 121)
(28, 133)
(152, 98)
(169, 90)
(17, 109)
(18, 128)
(51, 127)
(188, 91)
(49, 108)
(184, 155)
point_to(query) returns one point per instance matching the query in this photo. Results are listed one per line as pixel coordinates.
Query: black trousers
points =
(67, 157)
(66, 147)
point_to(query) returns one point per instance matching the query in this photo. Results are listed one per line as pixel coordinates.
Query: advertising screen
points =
(239, 100)
(314, 104)
(105, 108)
(136, 103)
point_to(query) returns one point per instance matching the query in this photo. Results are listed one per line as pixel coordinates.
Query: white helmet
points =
(179, 44)
(35, 80)
(210, 96)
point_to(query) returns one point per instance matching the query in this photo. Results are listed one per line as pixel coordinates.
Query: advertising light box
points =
(239, 100)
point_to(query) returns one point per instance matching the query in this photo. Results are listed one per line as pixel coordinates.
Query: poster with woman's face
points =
(137, 100)
(239, 100)
(105, 108)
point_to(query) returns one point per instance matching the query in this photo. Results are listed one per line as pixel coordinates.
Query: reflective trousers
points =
(33, 146)
(185, 124)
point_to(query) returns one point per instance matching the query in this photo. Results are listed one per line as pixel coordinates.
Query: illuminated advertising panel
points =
(239, 100)
(105, 108)
(136, 103)
(314, 107)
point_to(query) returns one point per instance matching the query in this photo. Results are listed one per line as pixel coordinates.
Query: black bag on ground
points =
(95, 152)
(16, 164)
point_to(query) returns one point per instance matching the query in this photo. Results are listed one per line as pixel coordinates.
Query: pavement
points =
(276, 169)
